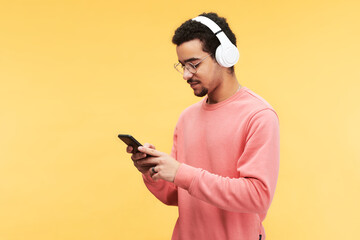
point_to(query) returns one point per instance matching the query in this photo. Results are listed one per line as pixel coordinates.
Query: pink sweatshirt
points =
(230, 161)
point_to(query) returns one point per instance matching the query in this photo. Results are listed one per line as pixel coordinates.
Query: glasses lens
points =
(179, 68)
(189, 66)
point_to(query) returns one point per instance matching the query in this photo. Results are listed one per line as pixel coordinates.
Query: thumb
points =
(149, 145)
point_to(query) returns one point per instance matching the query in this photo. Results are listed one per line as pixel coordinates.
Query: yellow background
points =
(74, 74)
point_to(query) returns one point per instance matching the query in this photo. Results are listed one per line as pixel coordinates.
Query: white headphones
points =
(226, 53)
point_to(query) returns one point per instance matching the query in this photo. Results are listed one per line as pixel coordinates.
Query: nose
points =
(187, 74)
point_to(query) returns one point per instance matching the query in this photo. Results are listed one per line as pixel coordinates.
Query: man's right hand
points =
(138, 156)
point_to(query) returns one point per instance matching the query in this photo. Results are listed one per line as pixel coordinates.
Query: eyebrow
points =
(189, 60)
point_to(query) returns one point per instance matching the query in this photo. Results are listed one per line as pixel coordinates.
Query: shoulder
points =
(260, 111)
(254, 101)
(253, 107)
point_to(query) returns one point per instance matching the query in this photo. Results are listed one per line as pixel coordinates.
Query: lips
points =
(193, 82)
(193, 85)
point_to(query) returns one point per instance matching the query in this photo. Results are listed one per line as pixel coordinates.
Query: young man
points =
(224, 164)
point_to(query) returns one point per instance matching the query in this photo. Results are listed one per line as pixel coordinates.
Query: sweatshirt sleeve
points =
(165, 191)
(258, 167)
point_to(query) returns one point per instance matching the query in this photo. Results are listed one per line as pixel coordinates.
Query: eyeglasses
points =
(192, 68)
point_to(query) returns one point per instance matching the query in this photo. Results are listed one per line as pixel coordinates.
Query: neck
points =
(228, 86)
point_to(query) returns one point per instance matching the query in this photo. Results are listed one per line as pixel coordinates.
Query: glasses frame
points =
(192, 68)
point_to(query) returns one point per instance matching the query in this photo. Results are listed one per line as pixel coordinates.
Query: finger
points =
(155, 176)
(142, 169)
(137, 156)
(149, 161)
(153, 170)
(129, 149)
(148, 145)
(149, 151)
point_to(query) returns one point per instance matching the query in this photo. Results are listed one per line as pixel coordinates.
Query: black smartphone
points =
(130, 141)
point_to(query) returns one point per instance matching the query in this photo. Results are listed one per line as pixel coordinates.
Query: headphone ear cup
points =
(227, 53)
(227, 56)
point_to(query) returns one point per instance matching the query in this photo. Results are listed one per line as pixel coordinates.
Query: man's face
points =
(205, 80)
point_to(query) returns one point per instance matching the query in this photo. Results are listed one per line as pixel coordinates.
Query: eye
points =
(189, 64)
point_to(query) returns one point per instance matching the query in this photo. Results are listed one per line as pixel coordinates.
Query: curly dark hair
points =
(191, 30)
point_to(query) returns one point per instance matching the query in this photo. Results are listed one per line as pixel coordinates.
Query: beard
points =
(203, 92)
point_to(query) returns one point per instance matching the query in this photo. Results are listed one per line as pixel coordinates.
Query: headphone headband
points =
(209, 23)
